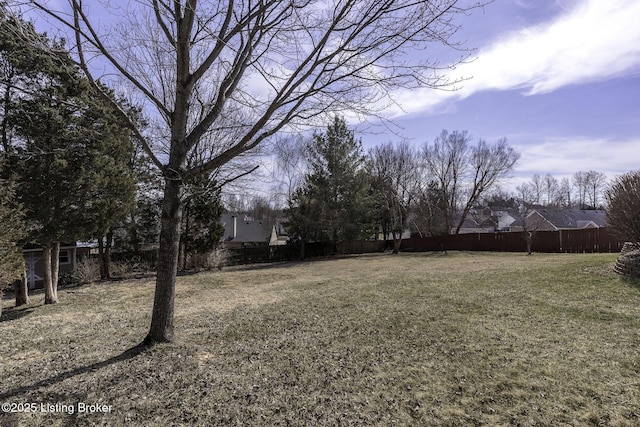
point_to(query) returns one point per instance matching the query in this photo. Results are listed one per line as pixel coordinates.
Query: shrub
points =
(219, 258)
(87, 270)
(623, 211)
(130, 267)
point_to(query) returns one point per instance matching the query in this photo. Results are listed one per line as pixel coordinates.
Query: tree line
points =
(335, 191)
(585, 190)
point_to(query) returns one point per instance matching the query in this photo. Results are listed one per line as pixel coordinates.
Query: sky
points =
(560, 79)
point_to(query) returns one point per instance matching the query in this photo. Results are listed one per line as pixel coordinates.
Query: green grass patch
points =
(413, 339)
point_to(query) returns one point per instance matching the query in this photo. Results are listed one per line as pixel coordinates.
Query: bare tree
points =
(544, 190)
(428, 213)
(396, 179)
(464, 172)
(488, 164)
(551, 189)
(596, 182)
(564, 193)
(589, 186)
(537, 185)
(525, 193)
(245, 70)
(581, 184)
(263, 208)
(290, 166)
(445, 164)
(531, 223)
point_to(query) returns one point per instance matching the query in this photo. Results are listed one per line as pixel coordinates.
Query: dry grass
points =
(414, 339)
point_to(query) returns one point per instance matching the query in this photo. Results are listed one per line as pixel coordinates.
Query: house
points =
(545, 219)
(33, 257)
(476, 221)
(475, 225)
(538, 219)
(503, 217)
(241, 230)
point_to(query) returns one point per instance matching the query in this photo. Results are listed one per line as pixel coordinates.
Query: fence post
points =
(560, 234)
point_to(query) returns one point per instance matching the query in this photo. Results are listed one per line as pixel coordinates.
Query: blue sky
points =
(559, 79)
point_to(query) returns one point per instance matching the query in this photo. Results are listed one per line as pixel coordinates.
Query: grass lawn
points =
(413, 339)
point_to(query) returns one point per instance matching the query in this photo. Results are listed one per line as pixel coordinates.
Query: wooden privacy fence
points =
(573, 241)
(256, 254)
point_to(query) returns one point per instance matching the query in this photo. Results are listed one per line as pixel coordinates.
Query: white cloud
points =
(597, 40)
(563, 156)
(593, 40)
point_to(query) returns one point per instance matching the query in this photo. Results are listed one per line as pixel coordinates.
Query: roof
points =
(471, 224)
(246, 230)
(574, 218)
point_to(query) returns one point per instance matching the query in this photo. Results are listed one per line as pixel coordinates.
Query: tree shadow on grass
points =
(125, 355)
(14, 313)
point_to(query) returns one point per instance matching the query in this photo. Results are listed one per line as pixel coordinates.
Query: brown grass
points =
(414, 339)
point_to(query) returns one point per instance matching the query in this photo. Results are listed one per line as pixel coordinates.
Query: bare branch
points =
(225, 77)
(162, 23)
(91, 36)
(235, 178)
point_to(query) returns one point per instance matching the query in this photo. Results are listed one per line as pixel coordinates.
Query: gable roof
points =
(572, 218)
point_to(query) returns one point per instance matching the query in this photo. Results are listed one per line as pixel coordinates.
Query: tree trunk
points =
(55, 268)
(104, 252)
(49, 295)
(397, 241)
(163, 305)
(21, 289)
(101, 257)
(107, 254)
(302, 249)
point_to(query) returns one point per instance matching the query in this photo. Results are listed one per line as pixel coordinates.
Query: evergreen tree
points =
(11, 234)
(336, 189)
(140, 228)
(303, 218)
(69, 151)
(21, 63)
(201, 227)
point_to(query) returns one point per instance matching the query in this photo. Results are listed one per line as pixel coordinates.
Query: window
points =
(63, 258)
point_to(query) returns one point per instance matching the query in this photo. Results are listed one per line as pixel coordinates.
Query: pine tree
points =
(337, 185)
